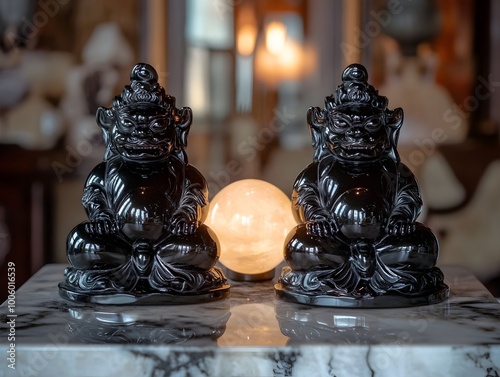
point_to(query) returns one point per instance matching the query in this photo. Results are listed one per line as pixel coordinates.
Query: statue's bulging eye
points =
(339, 123)
(372, 124)
(126, 125)
(156, 125)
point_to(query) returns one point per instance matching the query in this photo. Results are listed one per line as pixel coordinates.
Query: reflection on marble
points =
(309, 325)
(252, 334)
(146, 327)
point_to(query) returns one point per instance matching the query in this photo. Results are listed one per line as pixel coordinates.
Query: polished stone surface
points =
(251, 333)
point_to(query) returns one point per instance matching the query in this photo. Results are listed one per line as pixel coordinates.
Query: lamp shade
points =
(251, 218)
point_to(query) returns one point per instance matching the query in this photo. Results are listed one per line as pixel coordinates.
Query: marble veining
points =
(251, 333)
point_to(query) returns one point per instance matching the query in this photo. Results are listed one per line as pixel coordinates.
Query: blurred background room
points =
(249, 69)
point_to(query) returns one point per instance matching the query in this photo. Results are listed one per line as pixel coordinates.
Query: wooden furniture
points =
(25, 180)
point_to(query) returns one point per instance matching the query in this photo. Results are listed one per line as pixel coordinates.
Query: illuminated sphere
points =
(251, 219)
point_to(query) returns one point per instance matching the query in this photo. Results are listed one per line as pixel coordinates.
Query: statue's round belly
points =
(143, 212)
(360, 213)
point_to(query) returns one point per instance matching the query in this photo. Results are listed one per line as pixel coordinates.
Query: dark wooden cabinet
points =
(26, 179)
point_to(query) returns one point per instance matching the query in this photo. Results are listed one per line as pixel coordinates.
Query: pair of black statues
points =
(357, 242)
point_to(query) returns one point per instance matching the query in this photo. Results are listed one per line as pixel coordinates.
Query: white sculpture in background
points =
(106, 59)
(429, 122)
(411, 83)
(30, 83)
(472, 237)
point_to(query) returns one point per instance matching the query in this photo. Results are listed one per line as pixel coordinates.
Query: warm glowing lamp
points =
(276, 37)
(251, 219)
(282, 55)
(245, 40)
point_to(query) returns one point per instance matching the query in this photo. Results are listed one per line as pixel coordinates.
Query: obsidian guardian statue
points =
(357, 242)
(144, 241)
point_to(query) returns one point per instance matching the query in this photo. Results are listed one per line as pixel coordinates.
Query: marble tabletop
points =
(251, 333)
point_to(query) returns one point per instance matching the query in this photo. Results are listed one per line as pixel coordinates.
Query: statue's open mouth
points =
(362, 149)
(143, 150)
(140, 148)
(358, 146)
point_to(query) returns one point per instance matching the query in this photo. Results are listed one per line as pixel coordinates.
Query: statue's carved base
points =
(166, 284)
(343, 287)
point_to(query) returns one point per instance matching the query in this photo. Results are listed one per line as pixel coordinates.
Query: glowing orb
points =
(251, 219)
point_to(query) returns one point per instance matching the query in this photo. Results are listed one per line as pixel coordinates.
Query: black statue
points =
(358, 243)
(145, 241)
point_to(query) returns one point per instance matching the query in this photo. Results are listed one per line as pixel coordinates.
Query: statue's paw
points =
(402, 228)
(101, 227)
(321, 228)
(184, 227)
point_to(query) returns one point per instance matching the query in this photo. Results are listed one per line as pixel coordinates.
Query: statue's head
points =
(143, 124)
(356, 124)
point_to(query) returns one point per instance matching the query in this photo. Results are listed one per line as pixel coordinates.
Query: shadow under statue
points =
(357, 242)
